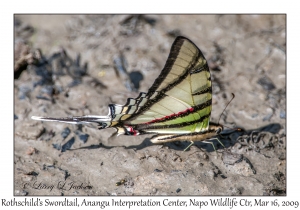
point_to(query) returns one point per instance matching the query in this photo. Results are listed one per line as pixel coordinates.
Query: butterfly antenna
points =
(238, 129)
(226, 107)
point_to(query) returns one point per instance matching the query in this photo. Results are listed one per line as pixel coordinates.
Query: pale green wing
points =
(179, 101)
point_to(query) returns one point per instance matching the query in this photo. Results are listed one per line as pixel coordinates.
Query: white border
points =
(153, 6)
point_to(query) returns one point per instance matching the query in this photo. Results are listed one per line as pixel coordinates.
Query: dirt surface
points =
(73, 65)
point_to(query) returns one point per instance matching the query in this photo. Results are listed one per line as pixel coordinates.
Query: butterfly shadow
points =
(228, 138)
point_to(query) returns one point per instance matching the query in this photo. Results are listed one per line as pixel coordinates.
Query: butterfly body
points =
(177, 106)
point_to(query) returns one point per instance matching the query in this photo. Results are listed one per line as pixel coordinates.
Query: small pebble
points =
(68, 145)
(65, 132)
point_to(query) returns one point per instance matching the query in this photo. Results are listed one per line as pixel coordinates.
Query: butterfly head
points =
(215, 128)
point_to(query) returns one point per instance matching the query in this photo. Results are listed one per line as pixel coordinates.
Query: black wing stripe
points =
(188, 112)
(207, 90)
(144, 128)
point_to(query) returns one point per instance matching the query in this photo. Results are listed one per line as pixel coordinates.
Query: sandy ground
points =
(67, 65)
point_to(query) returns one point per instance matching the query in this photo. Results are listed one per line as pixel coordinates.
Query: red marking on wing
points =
(131, 130)
(190, 110)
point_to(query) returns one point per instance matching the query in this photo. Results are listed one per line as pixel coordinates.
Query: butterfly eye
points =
(218, 131)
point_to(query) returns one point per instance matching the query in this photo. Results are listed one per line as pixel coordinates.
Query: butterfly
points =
(177, 107)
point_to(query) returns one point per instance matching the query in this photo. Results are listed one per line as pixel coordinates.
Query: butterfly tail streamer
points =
(114, 119)
(117, 114)
(90, 120)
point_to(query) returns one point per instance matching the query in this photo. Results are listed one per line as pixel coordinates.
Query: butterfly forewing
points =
(179, 101)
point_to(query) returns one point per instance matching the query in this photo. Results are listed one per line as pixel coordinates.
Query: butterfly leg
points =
(213, 143)
(189, 146)
(219, 141)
